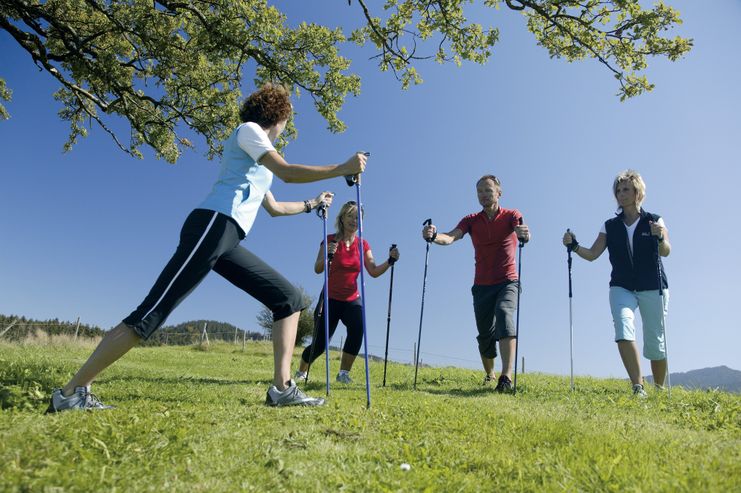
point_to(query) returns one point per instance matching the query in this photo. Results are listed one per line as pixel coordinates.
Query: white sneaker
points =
(292, 396)
(81, 399)
(343, 377)
(639, 392)
(300, 375)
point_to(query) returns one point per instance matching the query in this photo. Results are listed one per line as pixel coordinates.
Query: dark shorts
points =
(210, 241)
(494, 307)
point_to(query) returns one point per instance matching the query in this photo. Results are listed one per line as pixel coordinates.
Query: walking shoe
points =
(82, 399)
(488, 380)
(639, 392)
(343, 377)
(292, 396)
(300, 375)
(504, 384)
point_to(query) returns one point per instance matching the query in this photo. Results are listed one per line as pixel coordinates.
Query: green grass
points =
(192, 420)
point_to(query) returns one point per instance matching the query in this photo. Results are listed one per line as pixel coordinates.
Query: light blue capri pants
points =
(623, 304)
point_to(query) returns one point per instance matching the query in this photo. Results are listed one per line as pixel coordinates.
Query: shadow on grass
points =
(183, 380)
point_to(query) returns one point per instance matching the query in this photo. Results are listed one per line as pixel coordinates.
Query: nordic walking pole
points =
(422, 309)
(388, 317)
(322, 212)
(571, 318)
(361, 254)
(519, 292)
(663, 321)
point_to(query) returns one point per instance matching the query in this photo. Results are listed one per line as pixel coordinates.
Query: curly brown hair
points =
(267, 106)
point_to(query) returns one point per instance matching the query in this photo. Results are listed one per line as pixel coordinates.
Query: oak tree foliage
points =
(175, 69)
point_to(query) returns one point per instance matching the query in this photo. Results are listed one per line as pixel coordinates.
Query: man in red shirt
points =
(494, 233)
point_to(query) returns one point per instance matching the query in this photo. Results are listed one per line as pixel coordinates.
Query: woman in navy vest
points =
(636, 240)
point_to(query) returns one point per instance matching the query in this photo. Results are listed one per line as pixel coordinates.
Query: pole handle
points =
(428, 222)
(392, 260)
(353, 179)
(522, 242)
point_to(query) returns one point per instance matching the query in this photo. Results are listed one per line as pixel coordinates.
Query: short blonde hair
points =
(350, 206)
(634, 178)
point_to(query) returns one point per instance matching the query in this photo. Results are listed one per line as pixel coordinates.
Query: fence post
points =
(77, 328)
(235, 335)
(244, 338)
(204, 334)
(8, 327)
(523, 365)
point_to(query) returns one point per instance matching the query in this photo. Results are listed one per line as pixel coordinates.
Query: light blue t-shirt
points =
(242, 182)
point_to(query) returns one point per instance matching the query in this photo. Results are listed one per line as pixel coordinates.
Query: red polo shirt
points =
(344, 271)
(494, 244)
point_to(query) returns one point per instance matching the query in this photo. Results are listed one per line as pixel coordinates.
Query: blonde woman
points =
(633, 239)
(344, 298)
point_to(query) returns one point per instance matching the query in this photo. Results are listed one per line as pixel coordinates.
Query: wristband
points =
(661, 239)
(307, 206)
(432, 238)
(574, 245)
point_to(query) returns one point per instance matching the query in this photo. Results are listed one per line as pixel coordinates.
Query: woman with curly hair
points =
(210, 240)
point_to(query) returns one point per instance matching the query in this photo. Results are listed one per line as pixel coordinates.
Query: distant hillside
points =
(720, 377)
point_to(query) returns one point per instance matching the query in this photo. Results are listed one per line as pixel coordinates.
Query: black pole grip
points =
(392, 260)
(331, 255)
(570, 246)
(350, 179)
(522, 242)
(428, 222)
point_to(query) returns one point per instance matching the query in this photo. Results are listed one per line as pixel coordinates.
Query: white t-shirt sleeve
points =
(253, 140)
(603, 230)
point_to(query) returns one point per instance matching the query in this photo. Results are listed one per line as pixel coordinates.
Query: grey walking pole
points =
(388, 316)
(569, 249)
(422, 309)
(663, 321)
(517, 325)
(362, 283)
(322, 212)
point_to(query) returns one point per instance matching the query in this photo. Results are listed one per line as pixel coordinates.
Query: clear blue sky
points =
(86, 233)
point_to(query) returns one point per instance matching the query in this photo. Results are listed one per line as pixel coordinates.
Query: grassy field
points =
(194, 420)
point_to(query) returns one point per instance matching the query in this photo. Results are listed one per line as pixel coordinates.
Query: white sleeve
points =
(660, 222)
(253, 140)
(603, 230)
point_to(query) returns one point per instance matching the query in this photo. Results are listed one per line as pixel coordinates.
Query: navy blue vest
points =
(639, 271)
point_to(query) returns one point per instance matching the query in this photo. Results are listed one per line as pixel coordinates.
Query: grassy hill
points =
(194, 420)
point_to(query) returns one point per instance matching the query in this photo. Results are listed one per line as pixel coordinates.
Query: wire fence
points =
(15, 330)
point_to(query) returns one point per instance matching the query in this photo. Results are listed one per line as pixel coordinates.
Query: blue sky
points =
(85, 233)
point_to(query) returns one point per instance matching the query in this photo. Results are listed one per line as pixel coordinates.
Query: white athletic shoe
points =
(343, 377)
(639, 392)
(292, 396)
(81, 399)
(299, 375)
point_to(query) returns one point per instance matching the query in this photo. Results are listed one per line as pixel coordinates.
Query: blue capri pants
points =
(624, 303)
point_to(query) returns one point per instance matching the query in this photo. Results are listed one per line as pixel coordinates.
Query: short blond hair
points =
(634, 178)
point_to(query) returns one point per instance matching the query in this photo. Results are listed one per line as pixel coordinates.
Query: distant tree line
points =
(181, 334)
(24, 327)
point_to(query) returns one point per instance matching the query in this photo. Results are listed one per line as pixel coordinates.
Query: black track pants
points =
(209, 241)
